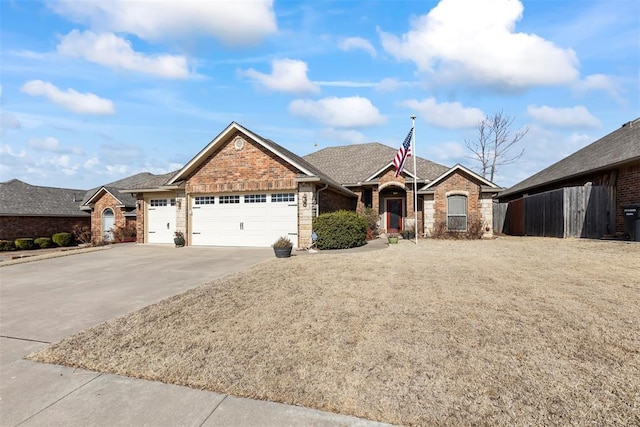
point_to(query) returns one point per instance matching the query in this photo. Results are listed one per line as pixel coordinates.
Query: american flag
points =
(403, 152)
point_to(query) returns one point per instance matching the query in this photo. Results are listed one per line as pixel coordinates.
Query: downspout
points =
(318, 198)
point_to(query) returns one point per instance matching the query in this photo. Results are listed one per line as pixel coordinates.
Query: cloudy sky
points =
(93, 91)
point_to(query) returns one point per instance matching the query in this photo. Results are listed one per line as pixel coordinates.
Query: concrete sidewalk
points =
(46, 300)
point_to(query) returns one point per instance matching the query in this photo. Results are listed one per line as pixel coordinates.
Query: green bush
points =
(7, 245)
(63, 239)
(340, 230)
(24, 244)
(44, 242)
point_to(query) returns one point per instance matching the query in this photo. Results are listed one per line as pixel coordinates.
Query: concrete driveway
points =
(46, 300)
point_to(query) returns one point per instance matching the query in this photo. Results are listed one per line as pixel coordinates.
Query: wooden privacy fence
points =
(587, 211)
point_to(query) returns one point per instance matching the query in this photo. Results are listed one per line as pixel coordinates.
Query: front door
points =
(394, 215)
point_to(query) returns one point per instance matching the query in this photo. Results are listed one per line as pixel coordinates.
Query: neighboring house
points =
(111, 209)
(246, 190)
(582, 195)
(33, 211)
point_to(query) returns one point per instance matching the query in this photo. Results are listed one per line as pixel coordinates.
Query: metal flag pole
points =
(415, 178)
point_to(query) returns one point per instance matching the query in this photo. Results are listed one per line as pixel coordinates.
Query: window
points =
(457, 213)
(158, 202)
(226, 200)
(204, 200)
(173, 202)
(367, 198)
(255, 198)
(283, 197)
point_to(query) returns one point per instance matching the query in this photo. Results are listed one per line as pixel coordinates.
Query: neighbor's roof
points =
(620, 146)
(352, 164)
(22, 199)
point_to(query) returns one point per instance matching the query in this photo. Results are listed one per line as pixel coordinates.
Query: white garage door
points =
(243, 219)
(161, 220)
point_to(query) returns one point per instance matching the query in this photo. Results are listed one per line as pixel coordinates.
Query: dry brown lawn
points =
(513, 331)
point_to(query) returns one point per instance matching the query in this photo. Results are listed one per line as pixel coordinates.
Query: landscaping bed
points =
(512, 331)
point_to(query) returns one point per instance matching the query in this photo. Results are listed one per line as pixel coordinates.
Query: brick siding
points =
(104, 202)
(15, 227)
(460, 183)
(627, 191)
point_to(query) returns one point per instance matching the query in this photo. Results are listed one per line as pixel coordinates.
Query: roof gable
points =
(193, 164)
(459, 168)
(620, 146)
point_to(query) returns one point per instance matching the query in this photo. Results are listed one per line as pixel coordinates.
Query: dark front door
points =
(394, 215)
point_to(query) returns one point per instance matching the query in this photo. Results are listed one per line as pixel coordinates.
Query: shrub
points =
(125, 234)
(24, 244)
(283, 242)
(63, 239)
(340, 230)
(475, 230)
(7, 245)
(81, 234)
(372, 219)
(44, 242)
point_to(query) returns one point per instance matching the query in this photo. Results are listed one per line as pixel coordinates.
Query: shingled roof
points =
(18, 198)
(351, 164)
(137, 181)
(619, 147)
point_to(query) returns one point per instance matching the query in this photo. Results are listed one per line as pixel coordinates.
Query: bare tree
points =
(494, 141)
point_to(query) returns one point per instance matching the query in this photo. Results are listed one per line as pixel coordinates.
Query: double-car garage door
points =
(229, 219)
(243, 219)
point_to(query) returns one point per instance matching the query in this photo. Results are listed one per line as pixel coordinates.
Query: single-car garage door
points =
(243, 219)
(161, 220)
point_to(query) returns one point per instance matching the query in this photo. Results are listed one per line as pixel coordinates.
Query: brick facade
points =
(15, 227)
(627, 191)
(106, 201)
(249, 169)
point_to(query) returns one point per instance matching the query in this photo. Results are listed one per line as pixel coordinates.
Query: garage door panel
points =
(161, 217)
(254, 221)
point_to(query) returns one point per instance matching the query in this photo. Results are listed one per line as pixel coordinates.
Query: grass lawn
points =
(512, 331)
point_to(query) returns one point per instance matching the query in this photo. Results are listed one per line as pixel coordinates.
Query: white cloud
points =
(7, 150)
(351, 43)
(448, 152)
(577, 116)
(600, 82)
(81, 103)
(450, 115)
(475, 40)
(287, 75)
(346, 136)
(8, 121)
(112, 51)
(51, 144)
(232, 22)
(336, 112)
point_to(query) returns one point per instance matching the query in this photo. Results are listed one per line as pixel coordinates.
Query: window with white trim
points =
(204, 200)
(255, 198)
(457, 212)
(227, 200)
(172, 202)
(283, 197)
(157, 202)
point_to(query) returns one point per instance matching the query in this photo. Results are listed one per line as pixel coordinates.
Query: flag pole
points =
(415, 178)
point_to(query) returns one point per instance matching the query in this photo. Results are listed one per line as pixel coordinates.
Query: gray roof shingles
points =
(351, 164)
(620, 146)
(137, 181)
(21, 199)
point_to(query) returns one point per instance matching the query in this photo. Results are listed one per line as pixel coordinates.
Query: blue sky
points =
(93, 91)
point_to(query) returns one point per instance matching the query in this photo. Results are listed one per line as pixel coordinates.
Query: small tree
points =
(494, 141)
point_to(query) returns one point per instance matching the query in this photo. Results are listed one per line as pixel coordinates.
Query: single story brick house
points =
(34, 211)
(245, 190)
(590, 186)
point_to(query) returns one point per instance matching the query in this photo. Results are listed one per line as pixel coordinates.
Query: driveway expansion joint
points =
(213, 410)
(24, 339)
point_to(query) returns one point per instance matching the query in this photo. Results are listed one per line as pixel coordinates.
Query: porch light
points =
(304, 200)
